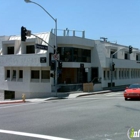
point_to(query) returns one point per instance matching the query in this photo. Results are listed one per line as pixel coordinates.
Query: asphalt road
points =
(97, 117)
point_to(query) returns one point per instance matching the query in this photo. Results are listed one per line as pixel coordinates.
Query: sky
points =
(117, 20)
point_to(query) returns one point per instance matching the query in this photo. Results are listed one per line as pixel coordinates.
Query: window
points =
(21, 74)
(10, 50)
(112, 52)
(14, 74)
(45, 74)
(30, 49)
(104, 74)
(126, 56)
(35, 74)
(8, 73)
(137, 57)
(70, 54)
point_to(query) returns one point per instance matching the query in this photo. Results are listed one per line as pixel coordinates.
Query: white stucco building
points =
(23, 72)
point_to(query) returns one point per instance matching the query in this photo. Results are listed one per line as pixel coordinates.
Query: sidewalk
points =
(75, 95)
(60, 96)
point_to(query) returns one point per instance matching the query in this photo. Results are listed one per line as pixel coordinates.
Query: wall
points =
(74, 41)
(3, 38)
(24, 85)
(28, 95)
(119, 63)
(23, 60)
(98, 58)
(1, 95)
(99, 54)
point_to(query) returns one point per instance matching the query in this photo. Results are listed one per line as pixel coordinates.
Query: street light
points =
(55, 20)
(55, 47)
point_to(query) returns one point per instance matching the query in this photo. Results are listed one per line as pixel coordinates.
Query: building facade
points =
(24, 69)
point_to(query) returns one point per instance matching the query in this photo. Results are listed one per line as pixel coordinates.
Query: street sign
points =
(56, 56)
(42, 47)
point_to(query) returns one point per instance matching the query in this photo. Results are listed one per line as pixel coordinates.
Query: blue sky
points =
(118, 20)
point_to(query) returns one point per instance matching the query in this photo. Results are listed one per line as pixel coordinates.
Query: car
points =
(132, 92)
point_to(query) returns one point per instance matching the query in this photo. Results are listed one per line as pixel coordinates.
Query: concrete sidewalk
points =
(75, 95)
(69, 95)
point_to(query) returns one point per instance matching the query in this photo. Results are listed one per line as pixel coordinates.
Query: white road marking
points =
(32, 135)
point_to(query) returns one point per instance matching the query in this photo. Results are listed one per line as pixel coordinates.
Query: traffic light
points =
(130, 49)
(60, 64)
(53, 65)
(23, 33)
(113, 66)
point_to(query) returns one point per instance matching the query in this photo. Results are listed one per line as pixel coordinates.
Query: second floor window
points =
(112, 52)
(8, 73)
(10, 50)
(137, 57)
(30, 49)
(20, 73)
(126, 56)
(14, 74)
(71, 54)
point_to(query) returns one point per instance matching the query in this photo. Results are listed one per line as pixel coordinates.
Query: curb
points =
(95, 93)
(12, 102)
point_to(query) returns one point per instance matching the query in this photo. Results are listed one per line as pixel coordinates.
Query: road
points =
(96, 117)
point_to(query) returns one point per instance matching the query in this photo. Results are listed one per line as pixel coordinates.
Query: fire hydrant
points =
(23, 97)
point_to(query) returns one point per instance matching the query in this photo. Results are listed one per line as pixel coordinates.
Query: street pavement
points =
(95, 117)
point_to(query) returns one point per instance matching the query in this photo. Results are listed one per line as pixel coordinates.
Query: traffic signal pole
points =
(55, 20)
(111, 66)
(112, 63)
(111, 70)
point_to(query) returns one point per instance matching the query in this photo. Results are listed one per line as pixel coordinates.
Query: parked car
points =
(132, 92)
